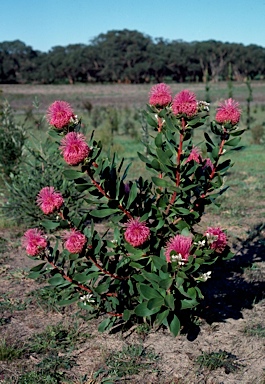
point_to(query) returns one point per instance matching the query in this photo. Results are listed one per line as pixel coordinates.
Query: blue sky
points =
(43, 24)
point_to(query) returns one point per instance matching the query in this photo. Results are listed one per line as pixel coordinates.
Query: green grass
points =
(220, 359)
(128, 362)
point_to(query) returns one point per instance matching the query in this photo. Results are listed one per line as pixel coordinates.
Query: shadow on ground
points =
(238, 283)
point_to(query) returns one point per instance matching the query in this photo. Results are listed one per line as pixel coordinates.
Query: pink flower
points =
(136, 232)
(216, 238)
(228, 112)
(160, 95)
(34, 241)
(49, 200)
(74, 148)
(208, 164)
(74, 241)
(181, 245)
(59, 114)
(195, 155)
(185, 103)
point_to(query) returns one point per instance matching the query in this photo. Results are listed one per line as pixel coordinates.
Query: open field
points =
(43, 343)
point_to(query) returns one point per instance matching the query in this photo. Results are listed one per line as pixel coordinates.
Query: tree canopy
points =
(129, 56)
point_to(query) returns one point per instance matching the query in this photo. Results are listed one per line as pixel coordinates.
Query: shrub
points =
(149, 263)
(12, 140)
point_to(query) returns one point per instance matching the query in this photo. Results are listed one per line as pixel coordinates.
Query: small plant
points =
(255, 330)
(9, 352)
(257, 133)
(220, 359)
(130, 361)
(148, 263)
(12, 140)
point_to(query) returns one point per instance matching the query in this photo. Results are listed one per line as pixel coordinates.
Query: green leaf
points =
(56, 280)
(159, 140)
(233, 142)
(160, 317)
(71, 174)
(104, 325)
(104, 212)
(175, 326)
(155, 303)
(147, 292)
(142, 311)
(158, 262)
(185, 304)
(38, 267)
(170, 301)
(49, 224)
(165, 283)
(132, 195)
(126, 315)
(161, 182)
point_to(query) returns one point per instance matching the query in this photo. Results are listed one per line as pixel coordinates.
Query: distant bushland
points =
(128, 56)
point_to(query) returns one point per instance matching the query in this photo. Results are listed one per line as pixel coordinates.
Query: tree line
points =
(126, 56)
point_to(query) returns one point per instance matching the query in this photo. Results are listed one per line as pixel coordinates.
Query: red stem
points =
(101, 190)
(104, 271)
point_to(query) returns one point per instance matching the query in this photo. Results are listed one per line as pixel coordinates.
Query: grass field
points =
(43, 343)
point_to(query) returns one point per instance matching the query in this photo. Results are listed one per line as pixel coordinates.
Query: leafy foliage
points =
(12, 140)
(132, 281)
(43, 167)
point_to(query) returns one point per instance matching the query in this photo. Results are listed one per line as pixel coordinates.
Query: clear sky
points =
(43, 24)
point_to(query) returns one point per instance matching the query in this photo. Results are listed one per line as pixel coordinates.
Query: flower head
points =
(59, 114)
(136, 232)
(160, 95)
(74, 148)
(208, 164)
(34, 241)
(185, 103)
(195, 155)
(74, 241)
(216, 238)
(181, 245)
(228, 112)
(49, 200)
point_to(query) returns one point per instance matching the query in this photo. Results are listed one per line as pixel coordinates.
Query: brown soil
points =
(234, 302)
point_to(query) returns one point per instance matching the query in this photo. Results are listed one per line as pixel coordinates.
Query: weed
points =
(9, 352)
(46, 299)
(130, 361)
(58, 337)
(255, 330)
(10, 304)
(220, 359)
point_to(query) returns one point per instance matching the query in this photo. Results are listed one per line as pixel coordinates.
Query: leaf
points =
(175, 326)
(208, 138)
(185, 304)
(233, 142)
(158, 262)
(49, 224)
(38, 267)
(160, 317)
(57, 279)
(159, 140)
(155, 303)
(104, 325)
(166, 283)
(161, 182)
(170, 301)
(104, 212)
(71, 174)
(132, 195)
(142, 311)
(148, 292)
